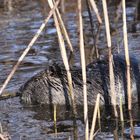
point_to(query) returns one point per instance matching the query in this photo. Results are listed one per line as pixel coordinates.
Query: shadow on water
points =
(19, 21)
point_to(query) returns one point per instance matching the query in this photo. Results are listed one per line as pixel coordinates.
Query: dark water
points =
(18, 24)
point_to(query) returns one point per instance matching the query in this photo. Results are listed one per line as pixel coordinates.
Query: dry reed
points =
(96, 133)
(127, 55)
(66, 64)
(9, 4)
(115, 131)
(62, 5)
(2, 137)
(94, 117)
(121, 110)
(131, 125)
(95, 37)
(28, 48)
(93, 5)
(99, 118)
(96, 42)
(1, 130)
(54, 117)
(82, 53)
(63, 51)
(121, 117)
(64, 29)
(111, 72)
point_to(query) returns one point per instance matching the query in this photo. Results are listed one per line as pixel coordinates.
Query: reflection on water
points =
(19, 21)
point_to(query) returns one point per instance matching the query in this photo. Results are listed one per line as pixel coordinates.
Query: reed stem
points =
(1, 130)
(94, 48)
(62, 4)
(121, 117)
(94, 117)
(131, 126)
(121, 110)
(55, 126)
(127, 56)
(64, 29)
(2, 137)
(65, 61)
(111, 72)
(82, 53)
(93, 5)
(99, 118)
(96, 39)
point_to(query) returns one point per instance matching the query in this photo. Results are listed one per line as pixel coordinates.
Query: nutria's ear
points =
(55, 69)
(51, 68)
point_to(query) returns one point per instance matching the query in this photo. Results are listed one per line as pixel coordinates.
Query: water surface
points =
(18, 25)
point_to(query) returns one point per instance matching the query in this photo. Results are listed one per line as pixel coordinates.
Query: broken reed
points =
(111, 72)
(82, 53)
(127, 56)
(28, 47)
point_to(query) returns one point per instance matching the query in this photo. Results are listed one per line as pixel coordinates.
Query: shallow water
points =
(18, 24)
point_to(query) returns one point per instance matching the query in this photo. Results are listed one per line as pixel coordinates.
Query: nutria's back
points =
(51, 87)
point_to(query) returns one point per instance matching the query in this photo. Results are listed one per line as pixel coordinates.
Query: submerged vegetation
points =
(115, 110)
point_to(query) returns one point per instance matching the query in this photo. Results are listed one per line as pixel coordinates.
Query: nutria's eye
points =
(88, 82)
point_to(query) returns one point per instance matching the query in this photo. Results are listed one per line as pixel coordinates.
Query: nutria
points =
(51, 87)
